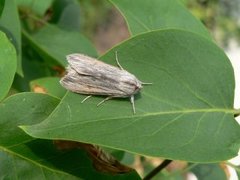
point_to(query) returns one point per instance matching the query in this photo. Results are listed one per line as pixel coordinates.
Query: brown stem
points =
(157, 169)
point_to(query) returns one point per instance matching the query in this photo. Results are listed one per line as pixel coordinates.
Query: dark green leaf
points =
(23, 157)
(34, 68)
(66, 13)
(2, 3)
(158, 14)
(10, 25)
(17, 156)
(8, 64)
(186, 114)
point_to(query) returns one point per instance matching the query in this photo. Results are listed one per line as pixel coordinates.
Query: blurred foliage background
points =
(221, 17)
(105, 27)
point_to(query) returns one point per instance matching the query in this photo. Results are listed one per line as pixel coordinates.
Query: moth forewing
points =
(86, 75)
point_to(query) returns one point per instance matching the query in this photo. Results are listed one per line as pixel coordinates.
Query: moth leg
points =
(104, 100)
(133, 105)
(86, 98)
(119, 65)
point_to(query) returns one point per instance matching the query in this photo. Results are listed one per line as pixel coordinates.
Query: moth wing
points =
(89, 66)
(91, 85)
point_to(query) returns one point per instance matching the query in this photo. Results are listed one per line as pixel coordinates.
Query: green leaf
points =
(145, 16)
(8, 65)
(10, 24)
(66, 14)
(49, 85)
(187, 113)
(54, 44)
(39, 7)
(23, 157)
(17, 156)
(209, 172)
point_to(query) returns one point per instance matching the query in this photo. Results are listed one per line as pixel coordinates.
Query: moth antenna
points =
(104, 100)
(144, 83)
(119, 65)
(133, 105)
(86, 98)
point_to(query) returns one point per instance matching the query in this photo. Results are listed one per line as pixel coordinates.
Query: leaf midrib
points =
(225, 111)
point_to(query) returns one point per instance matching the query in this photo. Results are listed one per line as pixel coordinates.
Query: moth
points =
(87, 75)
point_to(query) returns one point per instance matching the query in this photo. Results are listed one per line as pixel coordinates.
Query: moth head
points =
(138, 86)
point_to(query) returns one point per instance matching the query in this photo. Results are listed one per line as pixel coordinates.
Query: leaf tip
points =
(24, 128)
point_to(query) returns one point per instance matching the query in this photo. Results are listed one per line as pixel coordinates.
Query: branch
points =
(157, 169)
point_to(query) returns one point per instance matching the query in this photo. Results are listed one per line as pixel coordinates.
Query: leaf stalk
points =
(155, 171)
